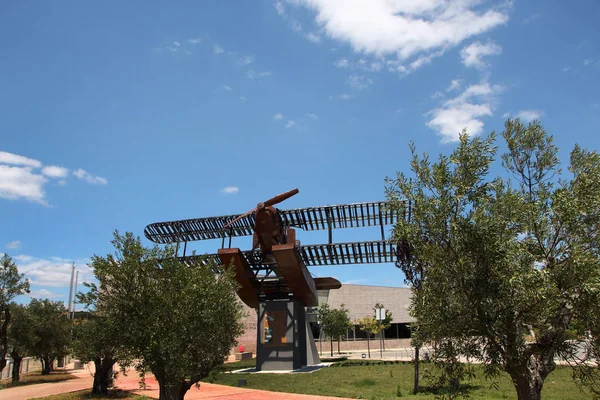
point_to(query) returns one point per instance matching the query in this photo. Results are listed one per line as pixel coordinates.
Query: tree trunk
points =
(369, 345)
(171, 390)
(4, 321)
(528, 388)
(331, 345)
(46, 365)
(103, 376)
(529, 379)
(16, 367)
(416, 382)
(339, 340)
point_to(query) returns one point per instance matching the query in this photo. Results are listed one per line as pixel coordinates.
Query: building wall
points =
(358, 299)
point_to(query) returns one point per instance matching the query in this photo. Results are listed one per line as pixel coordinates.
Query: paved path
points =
(83, 381)
(131, 382)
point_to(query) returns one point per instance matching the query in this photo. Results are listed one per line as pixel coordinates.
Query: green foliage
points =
(12, 284)
(49, 331)
(176, 321)
(369, 325)
(502, 268)
(336, 321)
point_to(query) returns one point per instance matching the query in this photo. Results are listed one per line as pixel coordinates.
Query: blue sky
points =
(119, 114)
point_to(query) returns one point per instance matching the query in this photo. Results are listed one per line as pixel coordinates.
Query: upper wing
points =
(310, 218)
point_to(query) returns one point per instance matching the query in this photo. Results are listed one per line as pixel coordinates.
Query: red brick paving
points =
(131, 382)
(217, 392)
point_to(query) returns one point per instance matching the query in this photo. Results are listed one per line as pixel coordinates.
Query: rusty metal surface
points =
(310, 218)
(369, 252)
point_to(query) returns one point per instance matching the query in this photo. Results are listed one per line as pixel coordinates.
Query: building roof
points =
(360, 300)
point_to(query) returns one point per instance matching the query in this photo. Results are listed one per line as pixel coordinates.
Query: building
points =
(360, 301)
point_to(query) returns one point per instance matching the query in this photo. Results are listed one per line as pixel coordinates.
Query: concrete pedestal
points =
(284, 340)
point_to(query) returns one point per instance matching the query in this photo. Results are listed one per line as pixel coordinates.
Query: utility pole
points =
(71, 291)
(75, 294)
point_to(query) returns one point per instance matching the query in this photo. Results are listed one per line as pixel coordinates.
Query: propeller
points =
(261, 206)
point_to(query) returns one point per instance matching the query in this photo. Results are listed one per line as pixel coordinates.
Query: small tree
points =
(20, 337)
(370, 326)
(50, 331)
(179, 322)
(12, 284)
(336, 323)
(503, 268)
(386, 322)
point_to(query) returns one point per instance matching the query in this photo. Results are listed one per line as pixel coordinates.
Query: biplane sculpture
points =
(273, 276)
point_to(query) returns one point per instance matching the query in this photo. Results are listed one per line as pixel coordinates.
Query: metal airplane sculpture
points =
(273, 276)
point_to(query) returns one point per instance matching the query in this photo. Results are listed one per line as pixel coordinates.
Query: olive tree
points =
(49, 330)
(97, 341)
(504, 267)
(20, 338)
(178, 321)
(12, 284)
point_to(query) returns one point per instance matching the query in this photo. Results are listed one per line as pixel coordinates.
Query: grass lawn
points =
(85, 394)
(388, 381)
(37, 377)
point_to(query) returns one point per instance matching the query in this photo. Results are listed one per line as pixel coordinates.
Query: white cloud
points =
(587, 62)
(437, 95)
(217, 49)
(21, 177)
(410, 31)
(245, 60)
(566, 69)
(254, 74)
(44, 294)
(53, 272)
(227, 88)
(243, 98)
(230, 190)
(86, 176)
(21, 183)
(354, 281)
(473, 54)
(454, 85)
(531, 18)
(343, 96)
(358, 82)
(53, 171)
(290, 124)
(365, 65)
(312, 116)
(15, 244)
(529, 115)
(176, 44)
(296, 26)
(14, 159)
(342, 63)
(194, 40)
(279, 7)
(313, 37)
(278, 117)
(464, 112)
